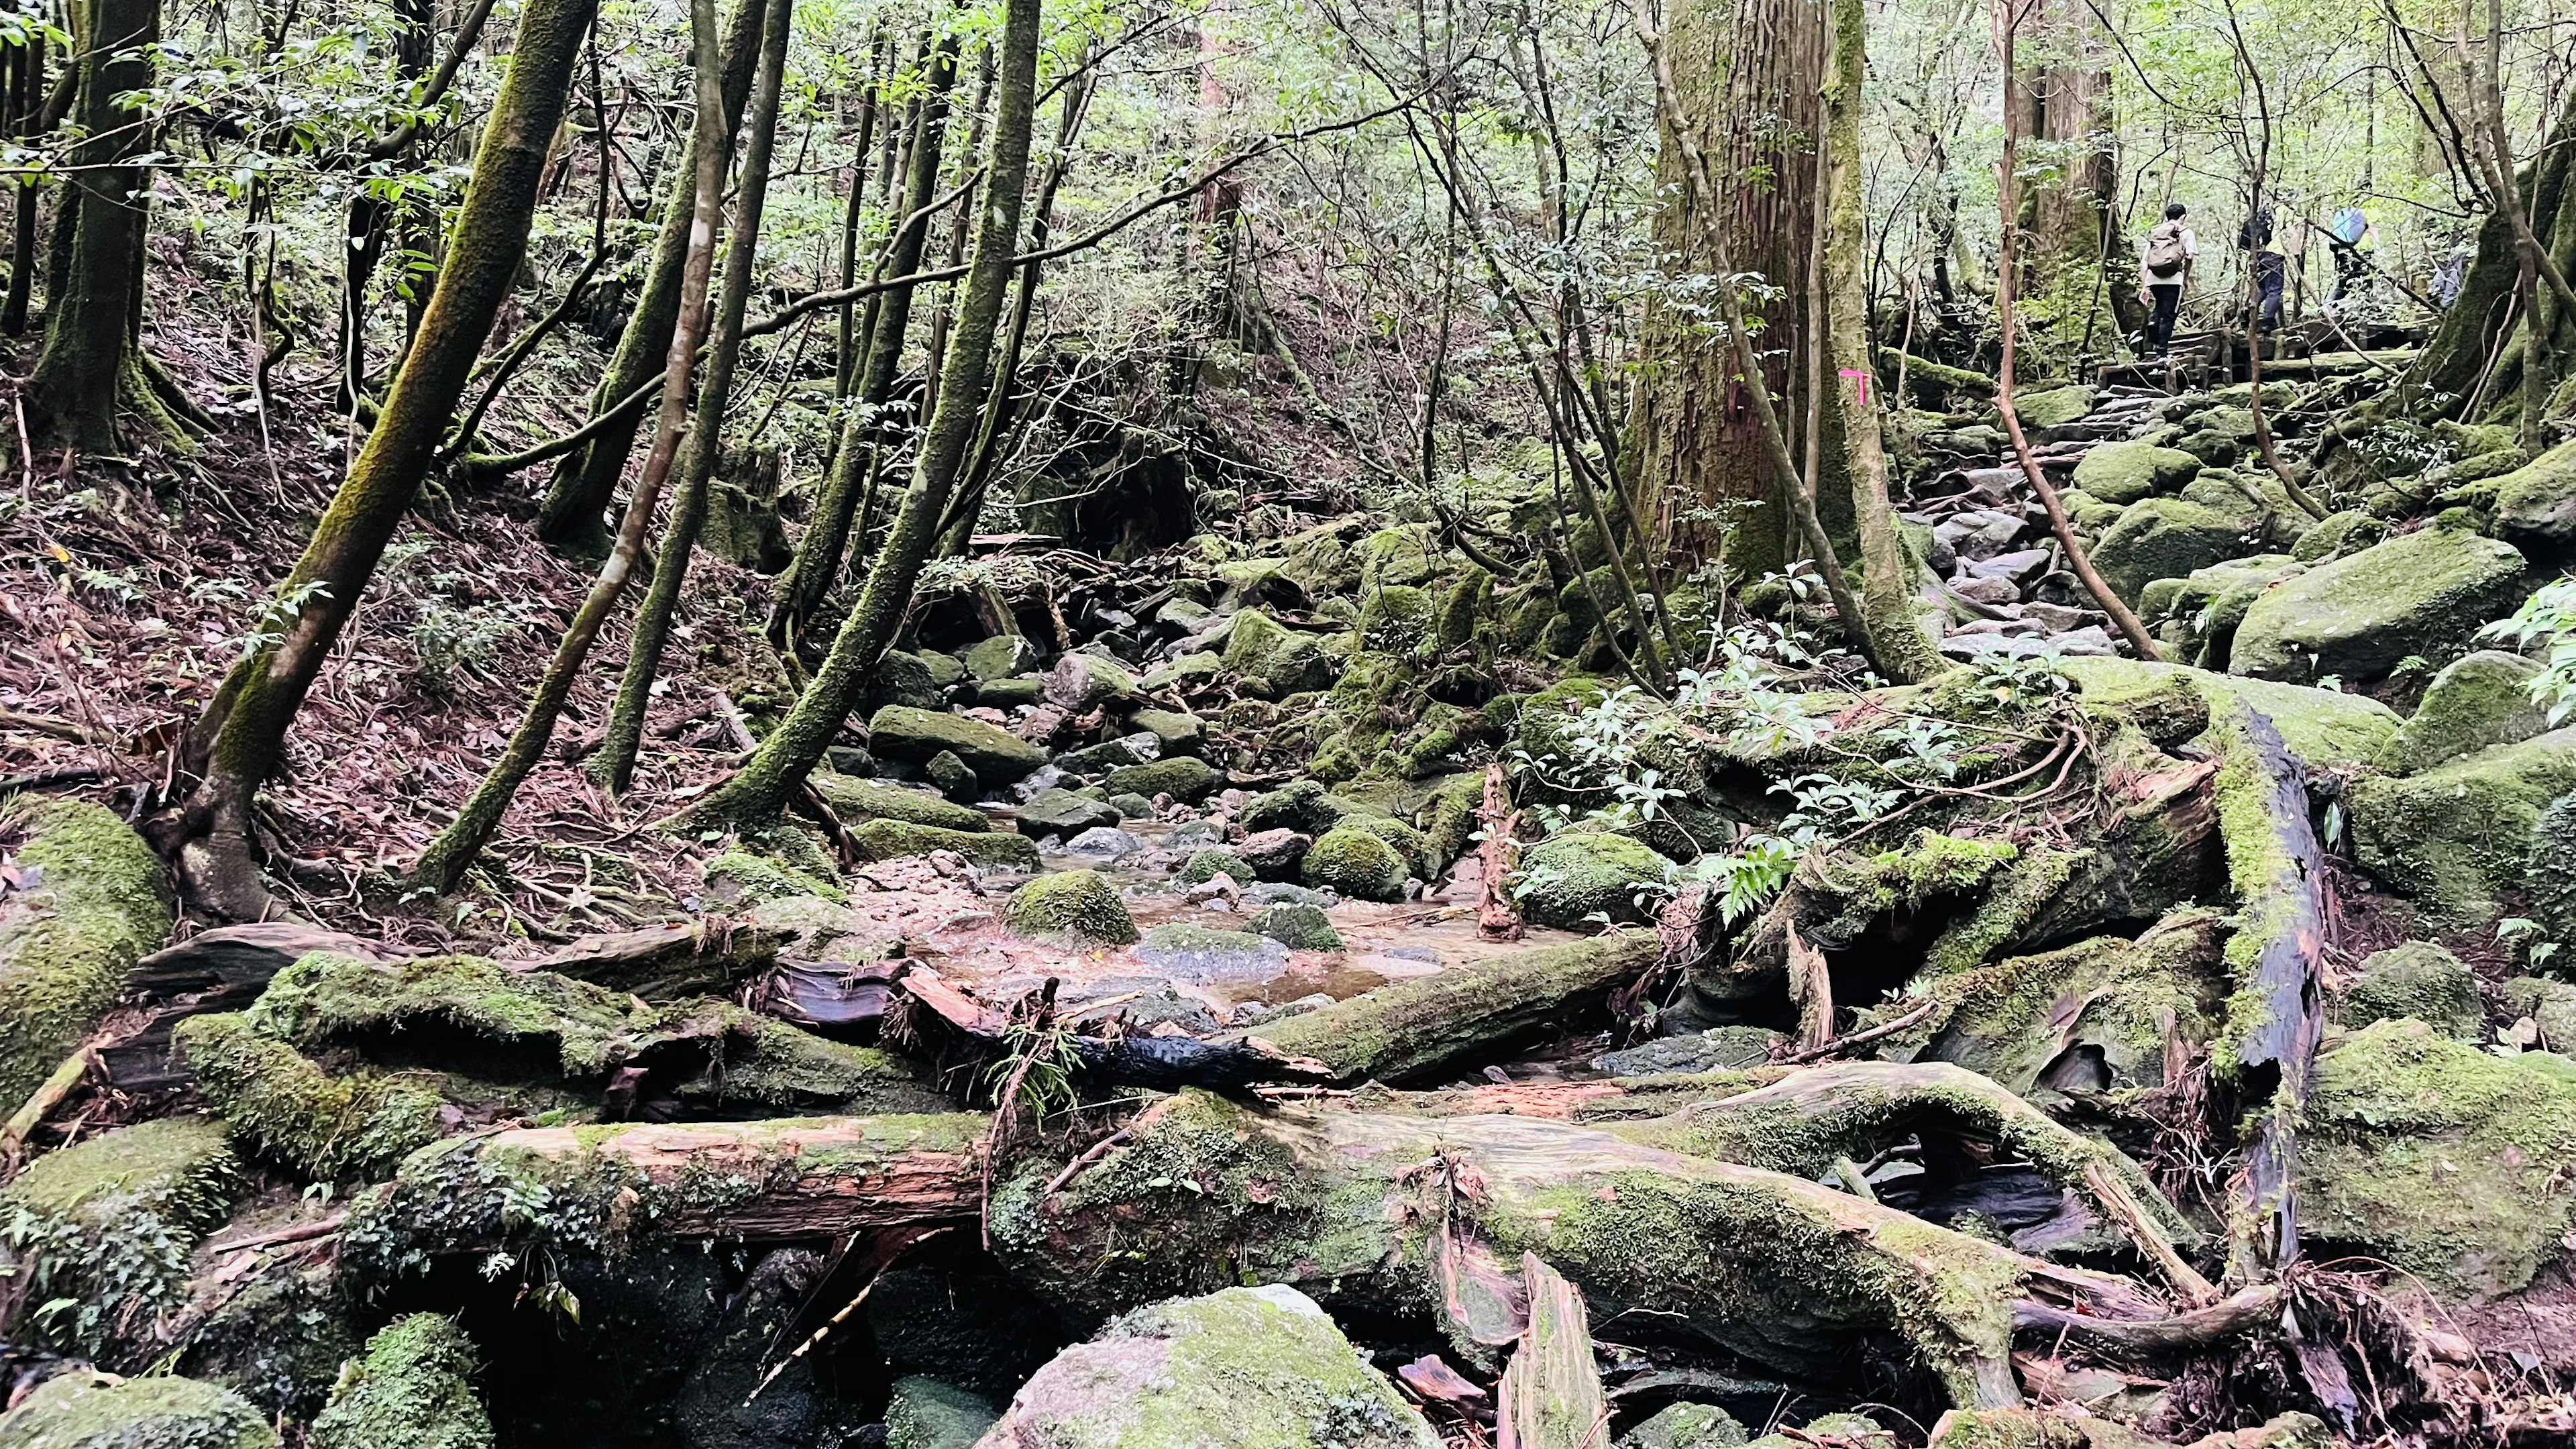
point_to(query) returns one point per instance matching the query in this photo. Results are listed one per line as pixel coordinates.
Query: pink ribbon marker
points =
(1860, 379)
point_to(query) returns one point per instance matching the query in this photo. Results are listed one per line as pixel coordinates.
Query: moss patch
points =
(1182, 777)
(992, 849)
(1073, 907)
(2456, 836)
(2418, 980)
(330, 1128)
(108, 1226)
(413, 1389)
(2477, 701)
(1357, 863)
(81, 1411)
(859, 800)
(100, 901)
(1569, 879)
(2423, 593)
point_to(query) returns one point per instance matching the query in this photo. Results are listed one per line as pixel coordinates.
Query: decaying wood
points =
(1498, 917)
(1811, 989)
(49, 1094)
(707, 956)
(224, 969)
(1551, 1394)
(974, 1028)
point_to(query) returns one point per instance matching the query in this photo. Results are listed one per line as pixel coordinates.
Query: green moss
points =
(2053, 407)
(2456, 836)
(2199, 615)
(1397, 619)
(2444, 1160)
(923, 1413)
(2477, 701)
(100, 901)
(1181, 777)
(1298, 927)
(277, 1336)
(1408, 841)
(1467, 601)
(329, 1128)
(1567, 880)
(82, 1411)
(992, 849)
(413, 1389)
(2418, 980)
(859, 800)
(2321, 727)
(2165, 538)
(997, 757)
(1402, 1030)
(1300, 805)
(108, 1226)
(1075, 907)
(1686, 1426)
(1206, 865)
(1357, 863)
(751, 879)
(2128, 472)
(1188, 670)
(2106, 1000)
(2426, 593)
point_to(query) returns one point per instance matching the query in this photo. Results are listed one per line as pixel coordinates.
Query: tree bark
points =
(237, 741)
(26, 110)
(371, 216)
(783, 760)
(86, 372)
(448, 857)
(585, 479)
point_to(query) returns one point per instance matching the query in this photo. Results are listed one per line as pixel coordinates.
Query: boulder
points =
(2199, 615)
(2456, 836)
(2337, 534)
(107, 1226)
(1568, 879)
(2129, 472)
(996, 756)
(1299, 805)
(901, 679)
(1004, 656)
(1105, 842)
(1207, 865)
(412, 1389)
(1356, 863)
(1686, 1426)
(998, 849)
(923, 1413)
(1009, 693)
(858, 801)
(2424, 593)
(1062, 812)
(1082, 681)
(84, 1410)
(1298, 926)
(1274, 855)
(1196, 953)
(1183, 777)
(2551, 1006)
(92, 899)
(1241, 1367)
(946, 671)
(2165, 538)
(954, 779)
(2053, 407)
(2418, 980)
(1396, 618)
(2535, 504)
(1073, 908)
(2478, 700)
(1718, 1049)
(1187, 672)
(1274, 659)
(1177, 733)
(1140, 748)
(2549, 871)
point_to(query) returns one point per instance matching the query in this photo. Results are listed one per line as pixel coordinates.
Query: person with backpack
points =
(2164, 269)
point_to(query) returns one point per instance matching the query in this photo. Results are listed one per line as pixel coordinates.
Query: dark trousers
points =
(2160, 322)
(2271, 275)
(2349, 271)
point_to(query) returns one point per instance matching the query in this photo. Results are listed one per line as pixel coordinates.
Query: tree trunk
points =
(85, 372)
(783, 760)
(448, 857)
(585, 479)
(850, 485)
(1749, 73)
(237, 742)
(615, 766)
(371, 216)
(27, 104)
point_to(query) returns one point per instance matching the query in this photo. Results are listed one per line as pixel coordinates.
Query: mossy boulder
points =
(1071, 907)
(328, 1126)
(993, 849)
(1187, 672)
(2337, 534)
(1357, 863)
(2535, 504)
(1262, 1368)
(1082, 681)
(2129, 472)
(902, 680)
(1304, 806)
(1062, 812)
(2456, 836)
(80, 1410)
(1183, 777)
(2321, 727)
(1207, 865)
(1201, 953)
(2549, 871)
(860, 800)
(997, 757)
(1566, 880)
(747, 877)
(2477, 701)
(1298, 926)
(1275, 659)
(2420, 980)
(2439, 1158)
(2165, 538)
(1396, 619)
(2423, 593)
(412, 1389)
(1409, 842)
(92, 900)
(1178, 733)
(108, 1226)
(2198, 616)
(923, 1413)
(1004, 656)
(1686, 1426)
(2053, 407)
(2551, 1005)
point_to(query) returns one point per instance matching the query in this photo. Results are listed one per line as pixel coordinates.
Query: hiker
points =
(2164, 269)
(2345, 237)
(2271, 270)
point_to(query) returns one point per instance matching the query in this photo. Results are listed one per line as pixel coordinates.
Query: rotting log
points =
(709, 955)
(1550, 1397)
(224, 969)
(1408, 1029)
(953, 1028)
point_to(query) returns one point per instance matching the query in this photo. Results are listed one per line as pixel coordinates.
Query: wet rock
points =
(2456, 836)
(2130, 472)
(856, 801)
(950, 774)
(1196, 953)
(2477, 701)
(1132, 806)
(1182, 777)
(1192, 835)
(914, 735)
(80, 1410)
(1074, 907)
(2016, 568)
(1300, 805)
(1977, 534)
(412, 1389)
(997, 849)
(924, 1413)
(851, 761)
(1206, 864)
(1040, 780)
(1062, 812)
(1571, 878)
(1002, 657)
(1298, 927)
(1081, 682)
(1243, 1366)
(1719, 1049)
(2424, 593)
(1356, 863)
(2418, 980)
(1273, 893)
(1105, 842)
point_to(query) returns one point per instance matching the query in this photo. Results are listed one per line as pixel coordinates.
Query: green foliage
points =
(105, 1229)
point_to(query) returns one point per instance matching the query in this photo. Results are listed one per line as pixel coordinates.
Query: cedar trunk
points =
(87, 366)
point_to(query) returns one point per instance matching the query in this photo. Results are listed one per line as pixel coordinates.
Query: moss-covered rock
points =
(1062, 812)
(1178, 733)
(1357, 863)
(997, 757)
(923, 1413)
(1262, 1368)
(2456, 836)
(1207, 865)
(412, 1389)
(1004, 656)
(2337, 534)
(2549, 871)
(2444, 1160)
(2535, 504)
(2165, 538)
(2198, 616)
(93, 900)
(1183, 777)
(330, 1127)
(2420, 980)
(1198, 953)
(2130, 472)
(2424, 593)
(1304, 806)
(2083, 1019)
(84, 1411)
(2477, 701)
(2551, 1005)
(108, 1225)
(993, 849)
(1277, 660)
(2321, 727)
(1083, 681)
(1396, 619)
(1566, 880)
(748, 877)
(1187, 672)
(1686, 1426)
(2053, 407)
(1298, 926)
(859, 800)
(1074, 907)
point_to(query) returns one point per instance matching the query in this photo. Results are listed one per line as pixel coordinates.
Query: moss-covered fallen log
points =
(1407, 1030)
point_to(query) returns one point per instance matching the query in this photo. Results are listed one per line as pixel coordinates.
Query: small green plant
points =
(2547, 619)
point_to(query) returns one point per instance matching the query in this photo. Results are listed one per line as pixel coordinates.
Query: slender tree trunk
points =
(783, 760)
(371, 216)
(615, 766)
(585, 479)
(850, 485)
(85, 372)
(1887, 593)
(25, 114)
(448, 857)
(237, 742)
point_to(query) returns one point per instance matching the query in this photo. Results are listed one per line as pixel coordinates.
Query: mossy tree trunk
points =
(615, 766)
(2480, 321)
(26, 99)
(842, 512)
(237, 741)
(585, 480)
(449, 856)
(783, 760)
(2068, 211)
